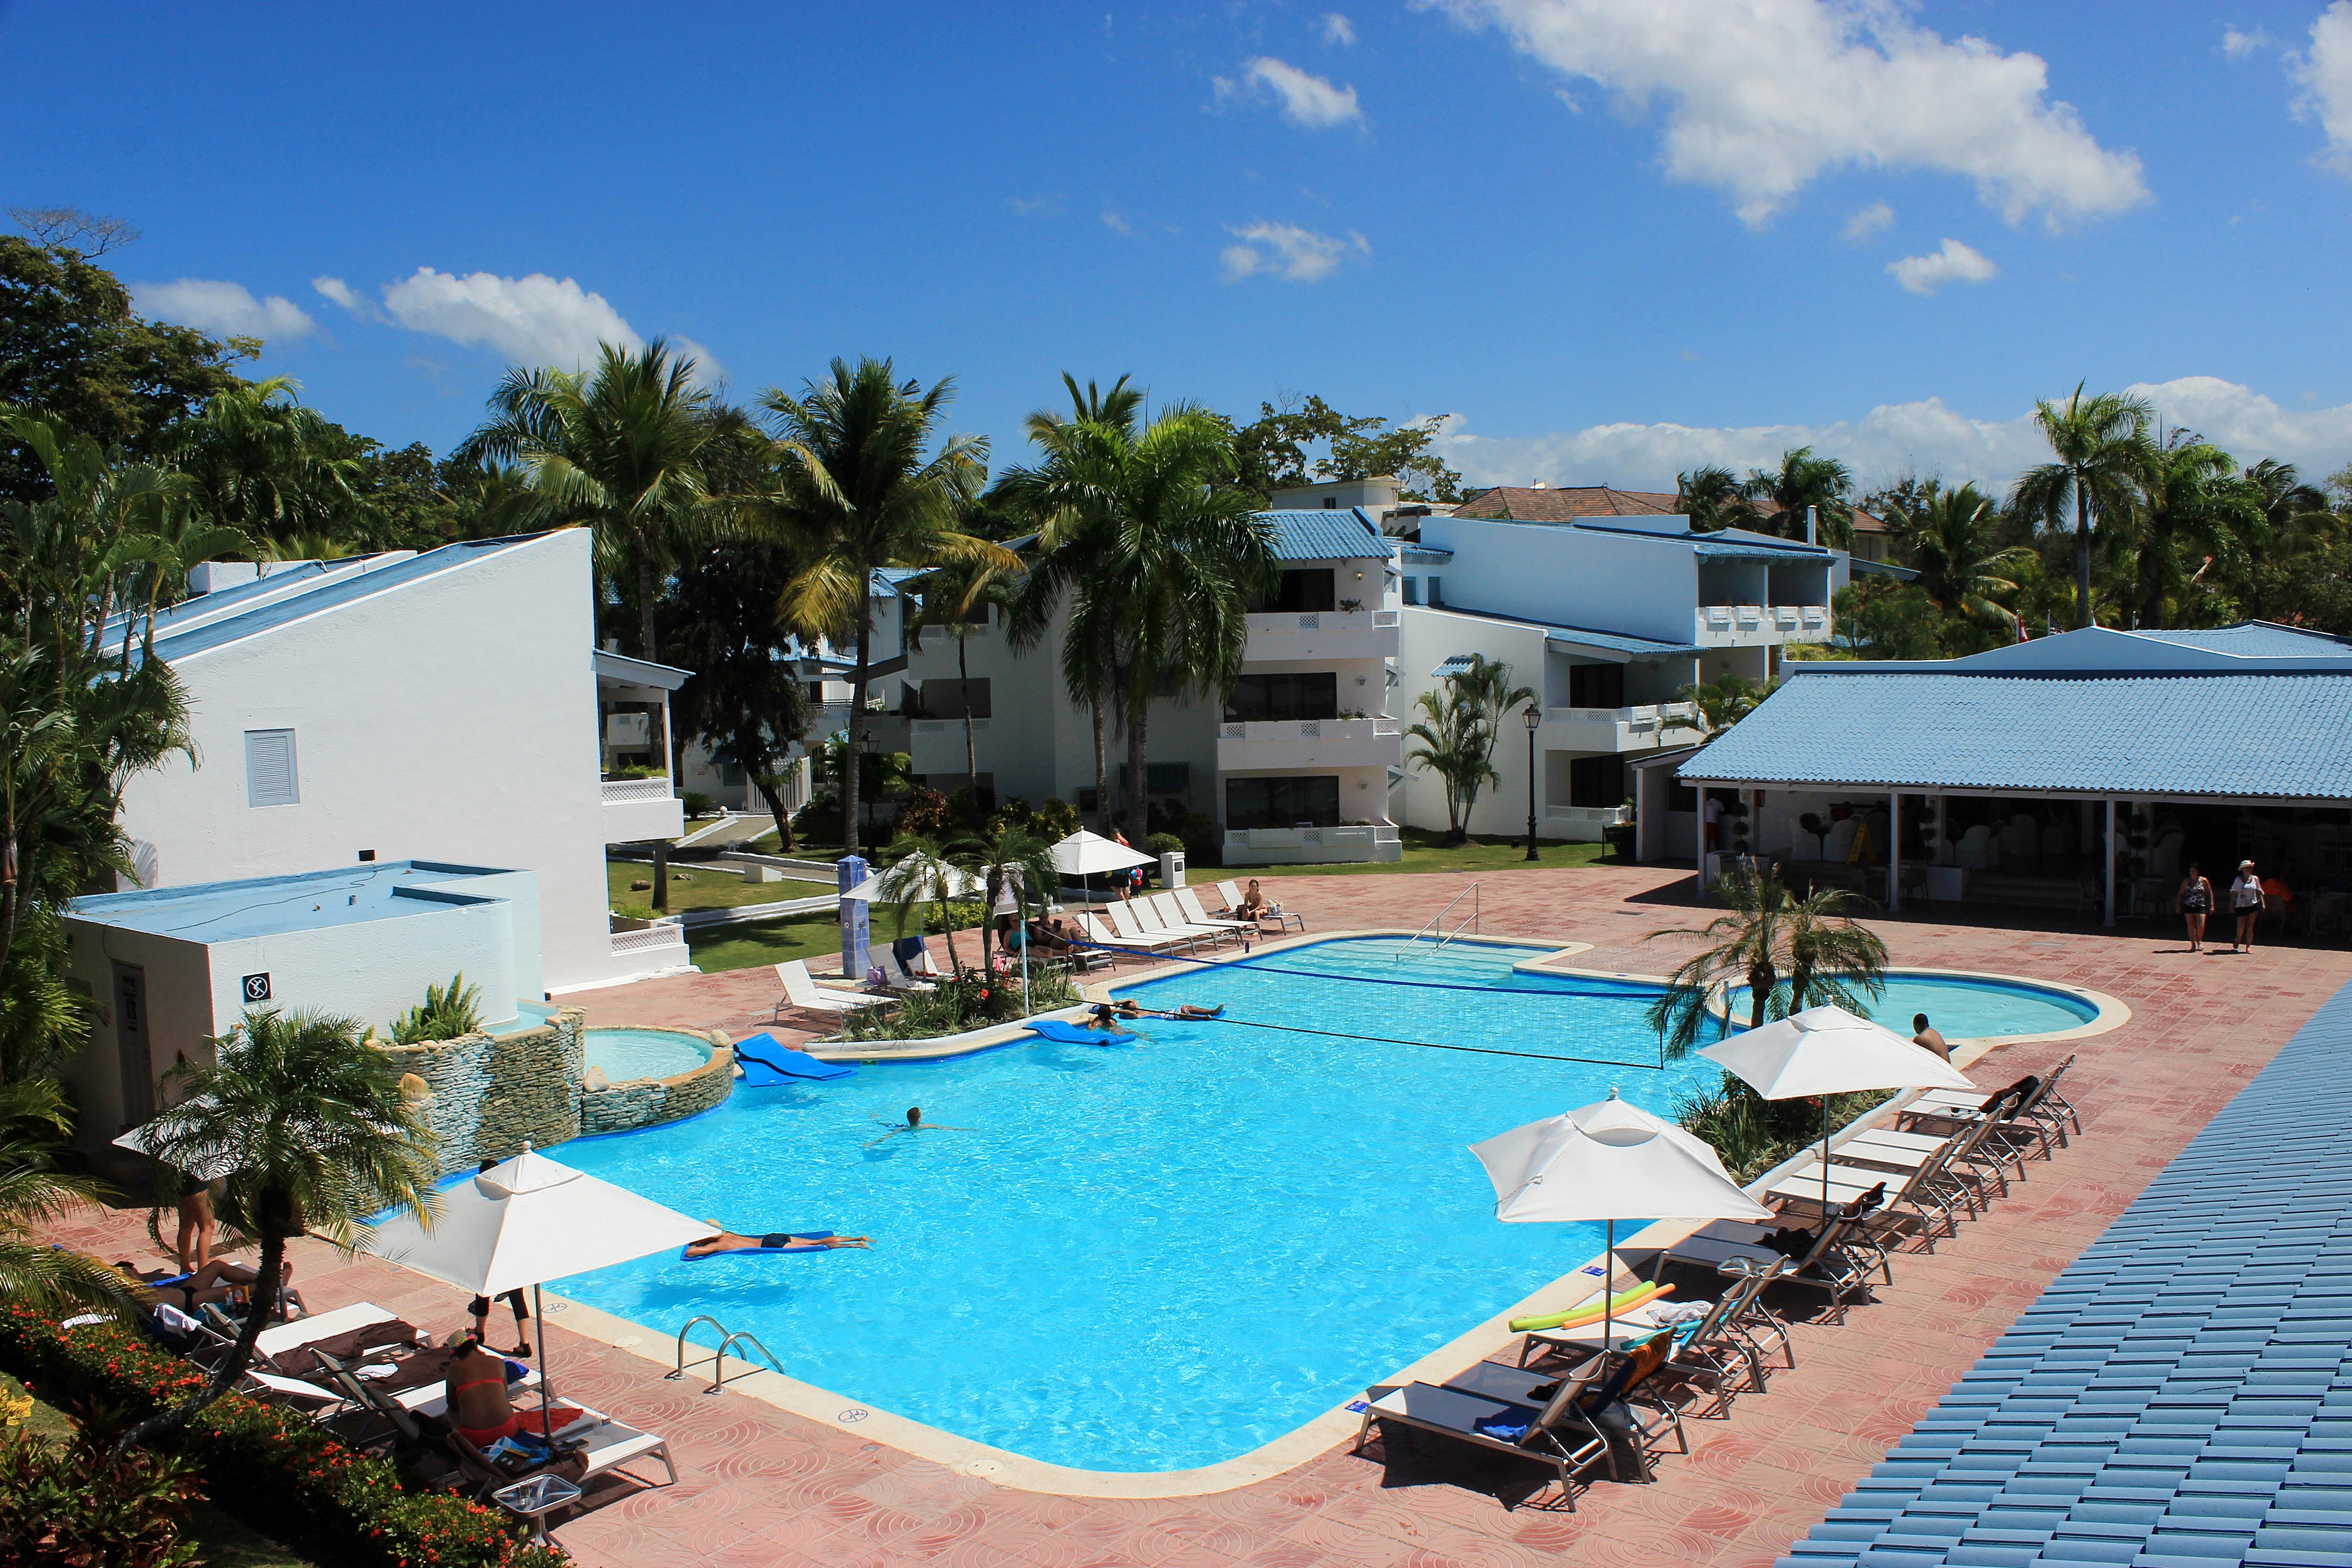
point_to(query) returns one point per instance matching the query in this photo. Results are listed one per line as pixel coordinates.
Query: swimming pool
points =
(1964, 1007)
(624, 1053)
(1158, 1255)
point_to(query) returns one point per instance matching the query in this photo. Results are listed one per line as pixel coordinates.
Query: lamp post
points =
(1534, 717)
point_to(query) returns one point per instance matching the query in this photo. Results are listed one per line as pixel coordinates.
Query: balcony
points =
(637, 810)
(1637, 729)
(1584, 824)
(1295, 743)
(1324, 635)
(1355, 845)
(650, 945)
(1754, 626)
(937, 744)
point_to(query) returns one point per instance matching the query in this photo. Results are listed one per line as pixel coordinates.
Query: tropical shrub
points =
(270, 1469)
(972, 1001)
(1163, 844)
(1753, 1134)
(1204, 841)
(1056, 819)
(449, 1011)
(928, 815)
(77, 1503)
(699, 805)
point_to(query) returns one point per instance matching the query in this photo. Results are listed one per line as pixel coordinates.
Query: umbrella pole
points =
(539, 1311)
(1608, 1285)
(1825, 1158)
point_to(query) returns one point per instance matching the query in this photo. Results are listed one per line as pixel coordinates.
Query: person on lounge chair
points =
(1048, 935)
(479, 1407)
(775, 1241)
(217, 1283)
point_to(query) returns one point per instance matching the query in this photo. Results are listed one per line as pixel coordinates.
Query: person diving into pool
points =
(724, 1240)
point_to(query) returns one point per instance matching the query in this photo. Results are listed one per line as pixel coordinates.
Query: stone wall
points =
(645, 1101)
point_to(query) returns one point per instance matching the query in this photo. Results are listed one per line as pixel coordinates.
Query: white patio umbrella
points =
(962, 884)
(1827, 1050)
(524, 1222)
(1083, 854)
(1609, 1161)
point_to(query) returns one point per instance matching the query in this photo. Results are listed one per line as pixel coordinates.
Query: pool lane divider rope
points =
(1658, 1066)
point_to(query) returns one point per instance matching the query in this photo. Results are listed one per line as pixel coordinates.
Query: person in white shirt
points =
(2246, 900)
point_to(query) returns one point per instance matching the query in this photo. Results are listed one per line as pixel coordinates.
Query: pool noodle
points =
(1641, 1295)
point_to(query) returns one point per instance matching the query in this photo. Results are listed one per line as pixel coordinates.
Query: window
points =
(1162, 778)
(1258, 699)
(1303, 592)
(1413, 589)
(1283, 803)
(1597, 781)
(269, 777)
(1437, 590)
(956, 698)
(1596, 686)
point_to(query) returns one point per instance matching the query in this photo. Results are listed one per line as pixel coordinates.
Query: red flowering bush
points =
(274, 1470)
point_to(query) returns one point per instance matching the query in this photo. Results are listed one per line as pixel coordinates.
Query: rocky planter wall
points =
(490, 1092)
(649, 1101)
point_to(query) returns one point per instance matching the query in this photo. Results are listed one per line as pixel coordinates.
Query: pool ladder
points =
(719, 1356)
(1436, 923)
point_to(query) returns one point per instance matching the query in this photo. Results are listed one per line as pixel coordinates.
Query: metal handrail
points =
(1436, 923)
(719, 1356)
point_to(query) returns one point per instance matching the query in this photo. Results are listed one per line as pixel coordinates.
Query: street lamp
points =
(1534, 717)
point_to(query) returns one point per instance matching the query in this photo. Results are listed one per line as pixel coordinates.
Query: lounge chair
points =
(1232, 893)
(802, 991)
(1164, 908)
(894, 975)
(1131, 932)
(1923, 1199)
(1838, 1262)
(1558, 1433)
(1189, 902)
(1626, 1401)
(312, 1403)
(2014, 1119)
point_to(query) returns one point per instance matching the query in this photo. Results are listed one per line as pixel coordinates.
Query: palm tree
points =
(307, 1129)
(33, 1195)
(1160, 554)
(1951, 537)
(1805, 481)
(959, 598)
(2101, 447)
(2189, 502)
(261, 459)
(855, 493)
(1713, 498)
(2296, 516)
(1723, 701)
(1090, 672)
(1002, 848)
(1790, 953)
(923, 870)
(1458, 735)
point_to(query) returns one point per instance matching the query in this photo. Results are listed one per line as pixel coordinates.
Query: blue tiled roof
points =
(2259, 639)
(2182, 1393)
(1325, 533)
(2287, 736)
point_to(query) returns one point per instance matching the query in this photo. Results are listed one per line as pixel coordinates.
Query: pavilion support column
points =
(2110, 918)
(1895, 852)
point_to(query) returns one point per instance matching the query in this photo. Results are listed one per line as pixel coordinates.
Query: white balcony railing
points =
(1722, 626)
(1325, 633)
(1354, 841)
(1616, 729)
(633, 935)
(619, 792)
(947, 726)
(1589, 815)
(1309, 729)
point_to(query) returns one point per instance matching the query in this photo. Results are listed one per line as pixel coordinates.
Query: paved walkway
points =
(759, 1486)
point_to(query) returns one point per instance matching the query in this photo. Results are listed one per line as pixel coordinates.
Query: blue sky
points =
(1610, 239)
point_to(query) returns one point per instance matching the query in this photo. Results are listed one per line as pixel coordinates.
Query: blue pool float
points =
(767, 1251)
(768, 1061)
(1077, 1035)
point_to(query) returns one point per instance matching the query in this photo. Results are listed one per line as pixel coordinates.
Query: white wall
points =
(1619, 583)
(452, 718)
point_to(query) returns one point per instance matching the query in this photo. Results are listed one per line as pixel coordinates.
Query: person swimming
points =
(726, 1240)
(914, 1124)
(1110, 1014)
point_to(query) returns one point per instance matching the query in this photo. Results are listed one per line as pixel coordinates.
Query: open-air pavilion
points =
(2081, 772)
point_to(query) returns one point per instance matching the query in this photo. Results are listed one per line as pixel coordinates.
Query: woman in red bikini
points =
(478, 1406)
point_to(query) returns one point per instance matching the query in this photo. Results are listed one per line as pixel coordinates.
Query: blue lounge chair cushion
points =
(1077, 1034)
(768, 1061)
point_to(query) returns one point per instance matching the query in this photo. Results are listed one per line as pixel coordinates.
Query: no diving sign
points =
(257, 988)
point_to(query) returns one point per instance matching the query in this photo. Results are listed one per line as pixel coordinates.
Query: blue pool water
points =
(529, 1016)
(1156, 1255)
(624, 1053)
(1965, 1009)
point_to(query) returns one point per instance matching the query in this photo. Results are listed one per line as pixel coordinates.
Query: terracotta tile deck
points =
(759, 1486)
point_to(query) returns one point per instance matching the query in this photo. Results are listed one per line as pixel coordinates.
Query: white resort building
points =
(448, 707)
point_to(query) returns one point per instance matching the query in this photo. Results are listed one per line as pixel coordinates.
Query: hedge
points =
(270, 1469)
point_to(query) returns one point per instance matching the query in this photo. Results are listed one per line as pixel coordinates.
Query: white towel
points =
(1681, 1313)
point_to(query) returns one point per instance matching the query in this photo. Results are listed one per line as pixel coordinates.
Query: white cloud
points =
(1765, 96)
(1285, 251)
(348, 297)
(1923, 437)
(2325, 73)
(229, 309)
(1872, 219)
(534, 321)
(1306, 100)
(1115, 222)
(1955, 263)
(2244, 46)
(1338, 31)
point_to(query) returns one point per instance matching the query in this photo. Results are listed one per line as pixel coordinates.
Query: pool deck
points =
(761, 1485)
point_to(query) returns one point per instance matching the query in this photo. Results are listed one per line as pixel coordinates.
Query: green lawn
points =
(223, 1541)
(764, 943)
(699, 888)
(1424, 852)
